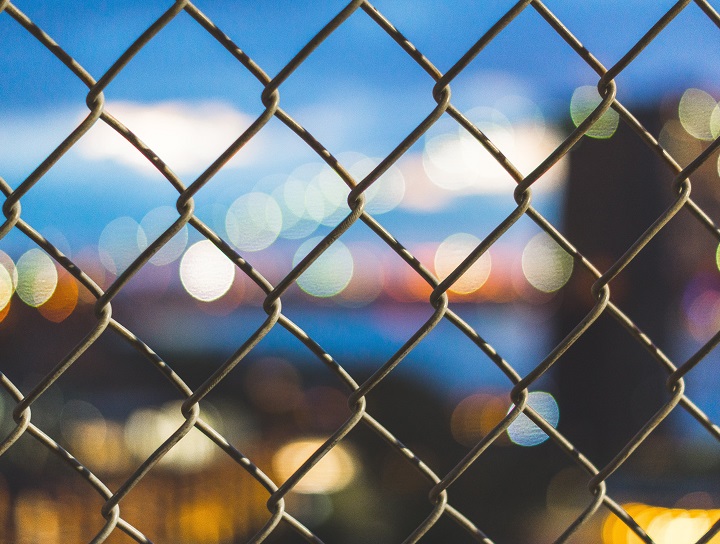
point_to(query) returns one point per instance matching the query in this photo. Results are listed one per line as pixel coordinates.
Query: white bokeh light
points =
(291, 196)
(386, 192)
(147, 428)
(452, 252)
(583, 102)
(121, 242)
(326, 198)
(523, 432)
(547, 266)
(8, 279)
(205, 272)
(253, 221)
(696, 111)
(154, 224)
(330, 273)
(455, 160)
(37, 277)
(6, 287)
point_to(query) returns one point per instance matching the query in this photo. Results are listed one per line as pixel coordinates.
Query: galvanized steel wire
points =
(440, 499)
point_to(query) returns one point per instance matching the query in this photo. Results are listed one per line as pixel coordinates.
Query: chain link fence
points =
(278, 493)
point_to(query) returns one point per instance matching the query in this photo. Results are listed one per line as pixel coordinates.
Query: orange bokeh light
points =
(63, 301)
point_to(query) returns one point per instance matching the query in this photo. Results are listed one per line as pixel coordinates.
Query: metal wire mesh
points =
(599, 492)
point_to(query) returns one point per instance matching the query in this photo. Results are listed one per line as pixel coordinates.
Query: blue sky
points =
(358, 92)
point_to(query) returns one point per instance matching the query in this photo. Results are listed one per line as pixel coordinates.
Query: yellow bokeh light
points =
(696, 110)
(476, 416)
(205, 272)
(451, 253)
(37, 277)
(583, 102)
(663, 525)
(331, 474)
(37, 518)
(147, 428)
(546, 265)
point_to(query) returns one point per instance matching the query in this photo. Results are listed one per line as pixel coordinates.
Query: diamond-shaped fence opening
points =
(221, 322)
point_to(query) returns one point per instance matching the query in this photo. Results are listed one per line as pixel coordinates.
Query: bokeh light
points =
(367, 279)
(695, 111)
(663, 525)
(154, 224)
(37, 277)
(326, 197)
(94, 438)
(547, 266)
(522, 111)
(455, 161)
(121, 242)
(476, 416)
(9, 265)
(523, 432)
(253, 221)
(63, 300)
(205, 272)
(583, 102)
(451, 252)
(330, 273)
(386, 192)
(331, 474)
(715, 122)
(37, 517)
(8, 281)
(292, 197)
(701, 307)
(6, 292)
(676, 141)
(147, 428)
(404, 284)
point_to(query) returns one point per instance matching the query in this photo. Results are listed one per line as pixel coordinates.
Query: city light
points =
(663, 525)
(547, 266)
(696, 110)
(330, 273)
(253, 221)
(331, 474)
(583, 102)
(206, 273)
(451, 253)
(523, 431)
(37, 277)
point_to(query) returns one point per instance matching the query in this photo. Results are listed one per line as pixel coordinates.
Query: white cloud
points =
(456, 172)
(187, 136)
